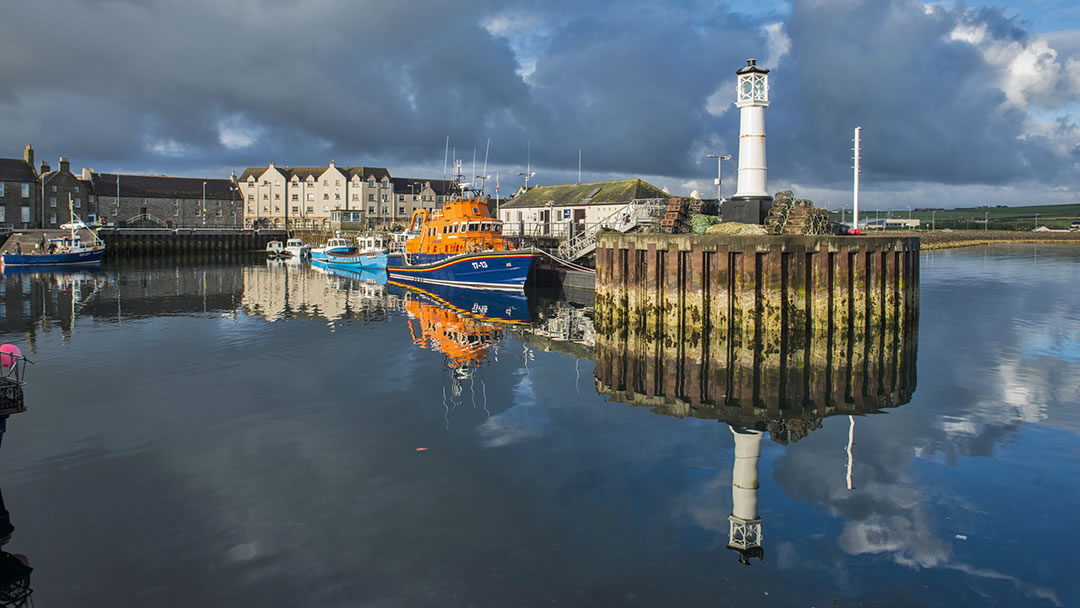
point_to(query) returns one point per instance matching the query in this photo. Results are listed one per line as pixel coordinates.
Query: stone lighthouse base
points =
(746, 209)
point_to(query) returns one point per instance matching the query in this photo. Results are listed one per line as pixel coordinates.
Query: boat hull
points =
(357, 261)
(79, 258)
(502, 270)
(322, 253)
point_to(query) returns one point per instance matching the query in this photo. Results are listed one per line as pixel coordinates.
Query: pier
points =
(748, 329)
(142, 241)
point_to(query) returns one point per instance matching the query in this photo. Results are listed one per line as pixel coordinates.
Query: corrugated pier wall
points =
(141, 241)
(755, 328)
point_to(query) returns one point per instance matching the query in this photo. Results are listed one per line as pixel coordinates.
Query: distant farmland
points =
(972, 218)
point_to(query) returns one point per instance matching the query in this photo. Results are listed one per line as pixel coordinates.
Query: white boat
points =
(338, 244)
(297, 248)
(275, 249)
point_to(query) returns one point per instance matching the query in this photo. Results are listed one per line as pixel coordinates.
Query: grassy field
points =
(983, 218)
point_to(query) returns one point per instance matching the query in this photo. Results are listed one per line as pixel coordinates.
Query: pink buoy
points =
(8, 354)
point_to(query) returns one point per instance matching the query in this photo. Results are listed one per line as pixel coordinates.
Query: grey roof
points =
(593, 193)
(161, 186)
(16, 170)
(752, 67)
(303, 172)
(442, 187)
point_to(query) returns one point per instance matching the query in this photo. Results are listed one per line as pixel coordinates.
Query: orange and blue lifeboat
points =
(460, 245)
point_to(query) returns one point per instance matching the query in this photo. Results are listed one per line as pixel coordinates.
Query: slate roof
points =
(16, 170)
(442, 187)
(603, 193)
(303, 172)
(160, 186)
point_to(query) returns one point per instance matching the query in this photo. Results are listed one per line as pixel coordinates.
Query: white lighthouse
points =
(751, 201)
(744, 536)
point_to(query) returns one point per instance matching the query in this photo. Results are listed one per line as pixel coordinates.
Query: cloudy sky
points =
(960, 103)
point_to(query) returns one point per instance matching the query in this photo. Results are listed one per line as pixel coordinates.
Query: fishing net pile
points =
(796, 216)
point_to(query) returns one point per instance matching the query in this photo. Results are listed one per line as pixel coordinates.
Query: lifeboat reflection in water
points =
(466, 327)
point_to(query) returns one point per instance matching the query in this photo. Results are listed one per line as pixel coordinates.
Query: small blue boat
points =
(63, 251)
(357, 260)
(363, 275)
(337, 245)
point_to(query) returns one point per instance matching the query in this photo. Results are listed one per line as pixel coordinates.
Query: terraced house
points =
(20, 192)
(565, 210)
(333, 197)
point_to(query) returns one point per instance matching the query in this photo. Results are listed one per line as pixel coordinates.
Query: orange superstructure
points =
(464, 341)
(459, 226)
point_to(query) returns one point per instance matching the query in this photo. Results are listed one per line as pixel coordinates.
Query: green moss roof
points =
(603, 193)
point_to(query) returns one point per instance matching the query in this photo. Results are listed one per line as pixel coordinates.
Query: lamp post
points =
(1036, 218)
(933, 220)
(204, 204)
(986, 220)
(719, 173)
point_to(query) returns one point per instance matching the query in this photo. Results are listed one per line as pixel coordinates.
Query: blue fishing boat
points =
(67, 250)
(337, 244)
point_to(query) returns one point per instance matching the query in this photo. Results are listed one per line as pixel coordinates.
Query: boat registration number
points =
(479, 264)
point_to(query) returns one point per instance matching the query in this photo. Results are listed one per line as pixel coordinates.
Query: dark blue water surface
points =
(247, 434)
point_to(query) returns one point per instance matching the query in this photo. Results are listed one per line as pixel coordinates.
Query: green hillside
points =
(973, 218)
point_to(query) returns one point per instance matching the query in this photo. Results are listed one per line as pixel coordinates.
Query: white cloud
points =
(778, 43)
(234, 132)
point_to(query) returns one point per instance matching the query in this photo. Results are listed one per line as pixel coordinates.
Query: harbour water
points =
(248, 433)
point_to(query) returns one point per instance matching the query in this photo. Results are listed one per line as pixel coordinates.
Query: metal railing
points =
(629, 216)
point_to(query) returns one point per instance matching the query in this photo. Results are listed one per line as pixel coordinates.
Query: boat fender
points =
(9, 354)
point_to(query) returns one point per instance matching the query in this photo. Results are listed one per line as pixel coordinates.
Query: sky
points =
(960, 103)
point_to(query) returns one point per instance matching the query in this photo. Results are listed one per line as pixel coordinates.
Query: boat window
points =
(474, 226)
(497, 227)
(485, 227)
(445, 229)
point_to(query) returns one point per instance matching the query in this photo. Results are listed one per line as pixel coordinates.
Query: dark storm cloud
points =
(206, 84)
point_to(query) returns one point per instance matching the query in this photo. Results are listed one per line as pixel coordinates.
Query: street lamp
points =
(986, 220)
(719, 173)
(204, 204)
(933, 220)
(1036, 218)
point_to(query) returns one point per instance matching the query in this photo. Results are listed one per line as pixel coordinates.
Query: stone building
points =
(160, 201)
(62, 187)
(20, 192)
(559, 211)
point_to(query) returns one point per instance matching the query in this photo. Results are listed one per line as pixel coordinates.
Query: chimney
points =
(87, 173)
(331, 164)
(65, 165)
(45, 168)
(28, 155)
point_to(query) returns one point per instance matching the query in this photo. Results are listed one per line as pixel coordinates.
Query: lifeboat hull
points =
(501, 270)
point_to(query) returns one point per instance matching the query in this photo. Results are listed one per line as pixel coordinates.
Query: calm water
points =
(256, 435)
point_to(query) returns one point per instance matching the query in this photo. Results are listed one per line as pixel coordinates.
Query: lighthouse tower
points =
(751, 201)
(744, 536)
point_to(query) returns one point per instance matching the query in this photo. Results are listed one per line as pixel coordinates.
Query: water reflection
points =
(15, 570)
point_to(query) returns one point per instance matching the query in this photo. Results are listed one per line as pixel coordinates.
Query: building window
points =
(369, 209)
(326, 182)
(371, 197)
(3, 213)
(251, 197)
(26, 191)
(337, 196)
(52, 201)
(26, 215)
(337, 182)
(401, 210)
(76, 188)
(295, 209)
(54, 188)
(175, 212)
(277, 196)
(219, 212)
(384, 197)
(90, 198)
(310, 209)
(251, 210)
(355, 196)
(295, 196)
(371, 183)
(1, 188)
(266, 196)
(78, 203)
(52, 218)
(401, 198)
(385, 210)
(325, 196)
(310, 196)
